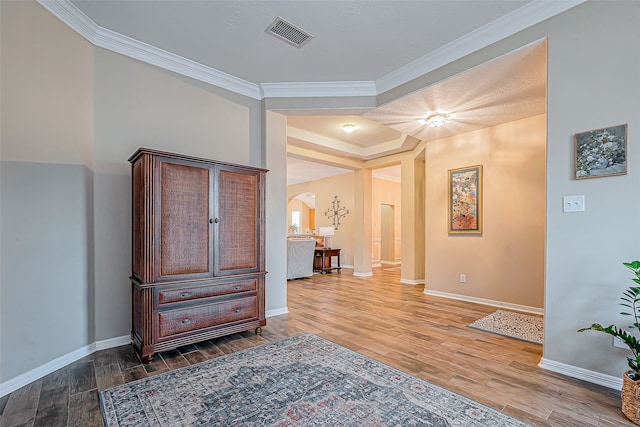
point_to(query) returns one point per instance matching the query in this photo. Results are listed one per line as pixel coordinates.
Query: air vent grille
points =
(288, 32)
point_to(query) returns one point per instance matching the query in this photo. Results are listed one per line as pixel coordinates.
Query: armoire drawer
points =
(194, 292)
(178, 321)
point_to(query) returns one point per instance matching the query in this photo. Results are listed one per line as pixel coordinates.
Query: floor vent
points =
(288, 32)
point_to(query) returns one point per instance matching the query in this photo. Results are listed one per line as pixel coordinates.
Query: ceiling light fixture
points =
(349, 127)
(437, 119)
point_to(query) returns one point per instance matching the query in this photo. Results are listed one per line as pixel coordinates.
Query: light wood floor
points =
(379, 317)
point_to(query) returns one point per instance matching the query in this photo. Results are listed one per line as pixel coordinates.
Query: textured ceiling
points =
(509, 88)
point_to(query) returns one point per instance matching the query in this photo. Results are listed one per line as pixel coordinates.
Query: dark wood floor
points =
(379, 317)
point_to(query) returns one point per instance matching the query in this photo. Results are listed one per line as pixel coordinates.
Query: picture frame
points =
(601, 152)
(465, 200)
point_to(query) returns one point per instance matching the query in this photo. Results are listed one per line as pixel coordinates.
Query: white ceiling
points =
(359, 47)
(353, 40)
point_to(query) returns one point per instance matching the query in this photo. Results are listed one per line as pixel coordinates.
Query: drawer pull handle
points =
(238, 311)
(186, 321)
(238, 287)
(185, 294)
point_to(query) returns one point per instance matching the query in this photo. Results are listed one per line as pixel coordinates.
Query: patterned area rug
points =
(524, 327)
(303, 380)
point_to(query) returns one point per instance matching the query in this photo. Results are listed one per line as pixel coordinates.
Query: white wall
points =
(275, 143)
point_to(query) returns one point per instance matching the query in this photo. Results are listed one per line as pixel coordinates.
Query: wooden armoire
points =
(198, 264)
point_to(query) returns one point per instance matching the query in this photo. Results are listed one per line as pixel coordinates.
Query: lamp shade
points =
(326, 231)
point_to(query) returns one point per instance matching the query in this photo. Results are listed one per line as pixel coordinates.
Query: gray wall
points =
(594, 64)
(71, 116)
(46, 273)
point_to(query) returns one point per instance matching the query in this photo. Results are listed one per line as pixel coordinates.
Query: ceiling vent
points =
(288, 32)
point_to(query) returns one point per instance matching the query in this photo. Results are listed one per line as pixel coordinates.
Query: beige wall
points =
(389, 193)
(303, 208)
(139, 105)
(383, 191)
(506, 262)
(325, 189)
(55, 66)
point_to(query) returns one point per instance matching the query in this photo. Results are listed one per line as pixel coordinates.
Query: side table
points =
(322, 260)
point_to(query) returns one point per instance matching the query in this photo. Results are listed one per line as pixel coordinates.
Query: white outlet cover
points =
(617, 342)
(573, 203)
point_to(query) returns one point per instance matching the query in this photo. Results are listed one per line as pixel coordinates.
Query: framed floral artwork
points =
(465, 200)
(601, 152)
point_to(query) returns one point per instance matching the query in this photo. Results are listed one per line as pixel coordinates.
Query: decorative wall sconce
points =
(335, 212)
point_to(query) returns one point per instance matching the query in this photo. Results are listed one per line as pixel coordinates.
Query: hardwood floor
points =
(379, 317)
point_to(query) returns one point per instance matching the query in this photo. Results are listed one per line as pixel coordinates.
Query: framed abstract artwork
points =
(465, 200)
(601, 152)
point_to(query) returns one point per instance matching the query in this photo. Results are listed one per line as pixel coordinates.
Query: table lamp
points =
(326, 232)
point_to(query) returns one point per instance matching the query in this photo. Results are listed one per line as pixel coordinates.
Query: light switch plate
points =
(573, 203)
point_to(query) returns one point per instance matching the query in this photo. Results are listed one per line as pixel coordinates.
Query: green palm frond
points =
(631, 300)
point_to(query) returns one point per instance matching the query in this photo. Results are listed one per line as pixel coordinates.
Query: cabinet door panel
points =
(238, 233)
(184, 228)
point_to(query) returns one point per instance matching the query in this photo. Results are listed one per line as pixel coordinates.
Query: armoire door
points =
(183, 220)
(238, 235)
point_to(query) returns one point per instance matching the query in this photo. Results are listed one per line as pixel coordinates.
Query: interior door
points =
(387, 233)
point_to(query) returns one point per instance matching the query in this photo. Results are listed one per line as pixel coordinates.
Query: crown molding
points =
(362, 153)
(65, 11)
(68, 13)
(318, 89)
(524, 17)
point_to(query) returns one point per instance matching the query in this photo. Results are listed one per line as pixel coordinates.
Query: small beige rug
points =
(525, 327)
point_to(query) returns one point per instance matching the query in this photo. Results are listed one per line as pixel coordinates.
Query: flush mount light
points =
(349, 127)
(437, 119)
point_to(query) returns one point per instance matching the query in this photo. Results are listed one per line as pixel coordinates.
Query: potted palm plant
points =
(631, 379)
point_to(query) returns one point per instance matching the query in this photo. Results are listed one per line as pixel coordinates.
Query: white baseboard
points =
(62, 361)
(277, 312)
(111, 342)
(358, 274)
(517, 307)
(582, 374)
(412, 282)
(390, 262)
